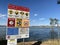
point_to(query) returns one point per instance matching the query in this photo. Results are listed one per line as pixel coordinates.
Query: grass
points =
(51, 42)
(48, 42)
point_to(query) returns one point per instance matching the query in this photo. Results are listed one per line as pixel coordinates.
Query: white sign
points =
(18, 17)
(12, 42)
(24, 32)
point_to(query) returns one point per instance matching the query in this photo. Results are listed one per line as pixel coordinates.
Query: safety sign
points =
(23, 33)
(11, 13)
(25, 23)
(11, 22)
(18, 22)
(24, 15)
(17, 14)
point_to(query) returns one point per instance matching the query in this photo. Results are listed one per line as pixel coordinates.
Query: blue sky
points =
(40, 10)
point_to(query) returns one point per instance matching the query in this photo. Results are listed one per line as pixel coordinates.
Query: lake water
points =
(36, 33)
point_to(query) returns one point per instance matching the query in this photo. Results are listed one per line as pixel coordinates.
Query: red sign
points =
(11, 22)
(21, 8)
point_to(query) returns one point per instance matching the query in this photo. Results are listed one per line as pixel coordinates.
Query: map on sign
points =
(24, 31)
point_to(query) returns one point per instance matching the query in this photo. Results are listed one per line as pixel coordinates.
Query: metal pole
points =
(58, 33)
(52, 23)
(23, 41)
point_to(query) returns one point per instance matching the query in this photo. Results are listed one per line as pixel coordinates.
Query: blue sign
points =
(12, 31)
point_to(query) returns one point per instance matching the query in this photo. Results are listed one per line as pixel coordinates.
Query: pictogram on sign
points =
(11, 22)
(10, 12)
(16, 12)
(25, 23)
(18, 22)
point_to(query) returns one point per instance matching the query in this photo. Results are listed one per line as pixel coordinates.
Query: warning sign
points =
(17, 14)
(11, 22)
(18, 22)
(22, 13)
(24, 32)
(11, 13)
(27, 15)
(25, 23)
(18, 17)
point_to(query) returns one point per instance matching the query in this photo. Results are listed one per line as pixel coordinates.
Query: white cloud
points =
(2, 15)
(33, 20)
(35, 14)
(41, 19)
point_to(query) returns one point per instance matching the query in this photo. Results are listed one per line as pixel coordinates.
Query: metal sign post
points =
(23, 41)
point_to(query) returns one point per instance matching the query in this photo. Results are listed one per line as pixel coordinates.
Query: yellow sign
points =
(18, 22)
(25, 23)
(12, 40)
